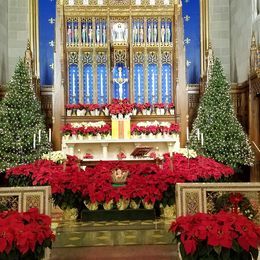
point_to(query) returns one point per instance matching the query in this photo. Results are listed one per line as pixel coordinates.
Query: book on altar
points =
(121, 128)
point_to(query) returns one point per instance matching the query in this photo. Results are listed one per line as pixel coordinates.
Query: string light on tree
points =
(23, 137)
(225, 140)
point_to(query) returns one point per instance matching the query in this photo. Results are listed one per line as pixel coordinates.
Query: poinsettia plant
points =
(223, 235)
(235, 202)
(72, 185)
(24, 235)
(123, 107)
(171, 105)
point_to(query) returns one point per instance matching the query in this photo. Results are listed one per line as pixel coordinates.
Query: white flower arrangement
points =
(57, 156)
(89, 124)
(153, 123)
(189, 153)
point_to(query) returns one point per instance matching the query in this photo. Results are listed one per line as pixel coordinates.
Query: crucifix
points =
(120, 81)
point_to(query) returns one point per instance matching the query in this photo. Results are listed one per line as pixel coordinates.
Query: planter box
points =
(114, 214)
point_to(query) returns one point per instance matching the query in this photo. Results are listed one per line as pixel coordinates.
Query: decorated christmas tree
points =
(216, 132)
(23, 137)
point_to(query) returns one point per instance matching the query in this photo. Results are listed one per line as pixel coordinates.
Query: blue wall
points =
(191, 14)
(47, 14)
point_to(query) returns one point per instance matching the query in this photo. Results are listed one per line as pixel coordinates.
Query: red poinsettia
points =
(208, 235)
(171, 105)
(88, 156)
(118, 106)
(145, 181)
(24, 231)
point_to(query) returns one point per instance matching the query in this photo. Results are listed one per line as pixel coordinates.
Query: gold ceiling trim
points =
(204, 34)
(34, 35)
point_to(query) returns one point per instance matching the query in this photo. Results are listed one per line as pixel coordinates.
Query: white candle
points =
(139, 84)
(153, 92)
(166, 84)
(39, 135)
(34, 141)
(198, 134)
(73, 85)
(202, 139)
(101, 85)
(87, 85)
(187, 133)
(50, 135)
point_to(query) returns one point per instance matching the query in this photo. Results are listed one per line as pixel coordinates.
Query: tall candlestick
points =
(153, 92)
(202, 139)
(139, 84)
(187, 132)
(39, 135)
(87, 85)
(166, 84)
(73, 85)
(101, 85)
(50, 135)
(34, 141)
(198, 134)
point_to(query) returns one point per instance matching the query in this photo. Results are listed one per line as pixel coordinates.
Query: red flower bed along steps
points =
(71, 186)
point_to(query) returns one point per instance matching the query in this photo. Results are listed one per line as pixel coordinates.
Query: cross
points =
(120, 81)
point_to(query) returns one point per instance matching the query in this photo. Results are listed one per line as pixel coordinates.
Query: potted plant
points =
(25, 235)
(69, 109)
(171, 108)
(224, 235)
(159, 108)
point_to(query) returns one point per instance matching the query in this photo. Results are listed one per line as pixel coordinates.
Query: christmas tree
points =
(23, 136)
(216, 132)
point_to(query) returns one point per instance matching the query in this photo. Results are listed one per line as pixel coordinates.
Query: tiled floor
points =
(124, 240)
(141, 252)
(112, 233)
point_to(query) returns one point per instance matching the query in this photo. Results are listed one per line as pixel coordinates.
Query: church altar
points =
(110, 50)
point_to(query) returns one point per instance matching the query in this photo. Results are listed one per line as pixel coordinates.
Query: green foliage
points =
(206, 252)
(224, 138)
(30, 255)
(20, 119)
(68, 199)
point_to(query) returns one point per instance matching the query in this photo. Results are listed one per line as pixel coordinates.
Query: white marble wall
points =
(219, 31)
(3, 41)
(241, 21)
(18, 31)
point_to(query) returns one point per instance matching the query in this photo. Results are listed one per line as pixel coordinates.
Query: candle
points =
(166, 84)
(73, 85)
(39, 135)
(198, 134)
(34, 141)
(202, 139)
(87, 85)
(50, 135)
(139, 84)
(187, 133)
(153, 92)
(101, 85)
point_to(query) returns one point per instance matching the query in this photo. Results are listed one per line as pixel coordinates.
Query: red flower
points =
(219, 230)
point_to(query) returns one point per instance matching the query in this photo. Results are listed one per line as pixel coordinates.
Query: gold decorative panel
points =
(199, 197)
(24, 198)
